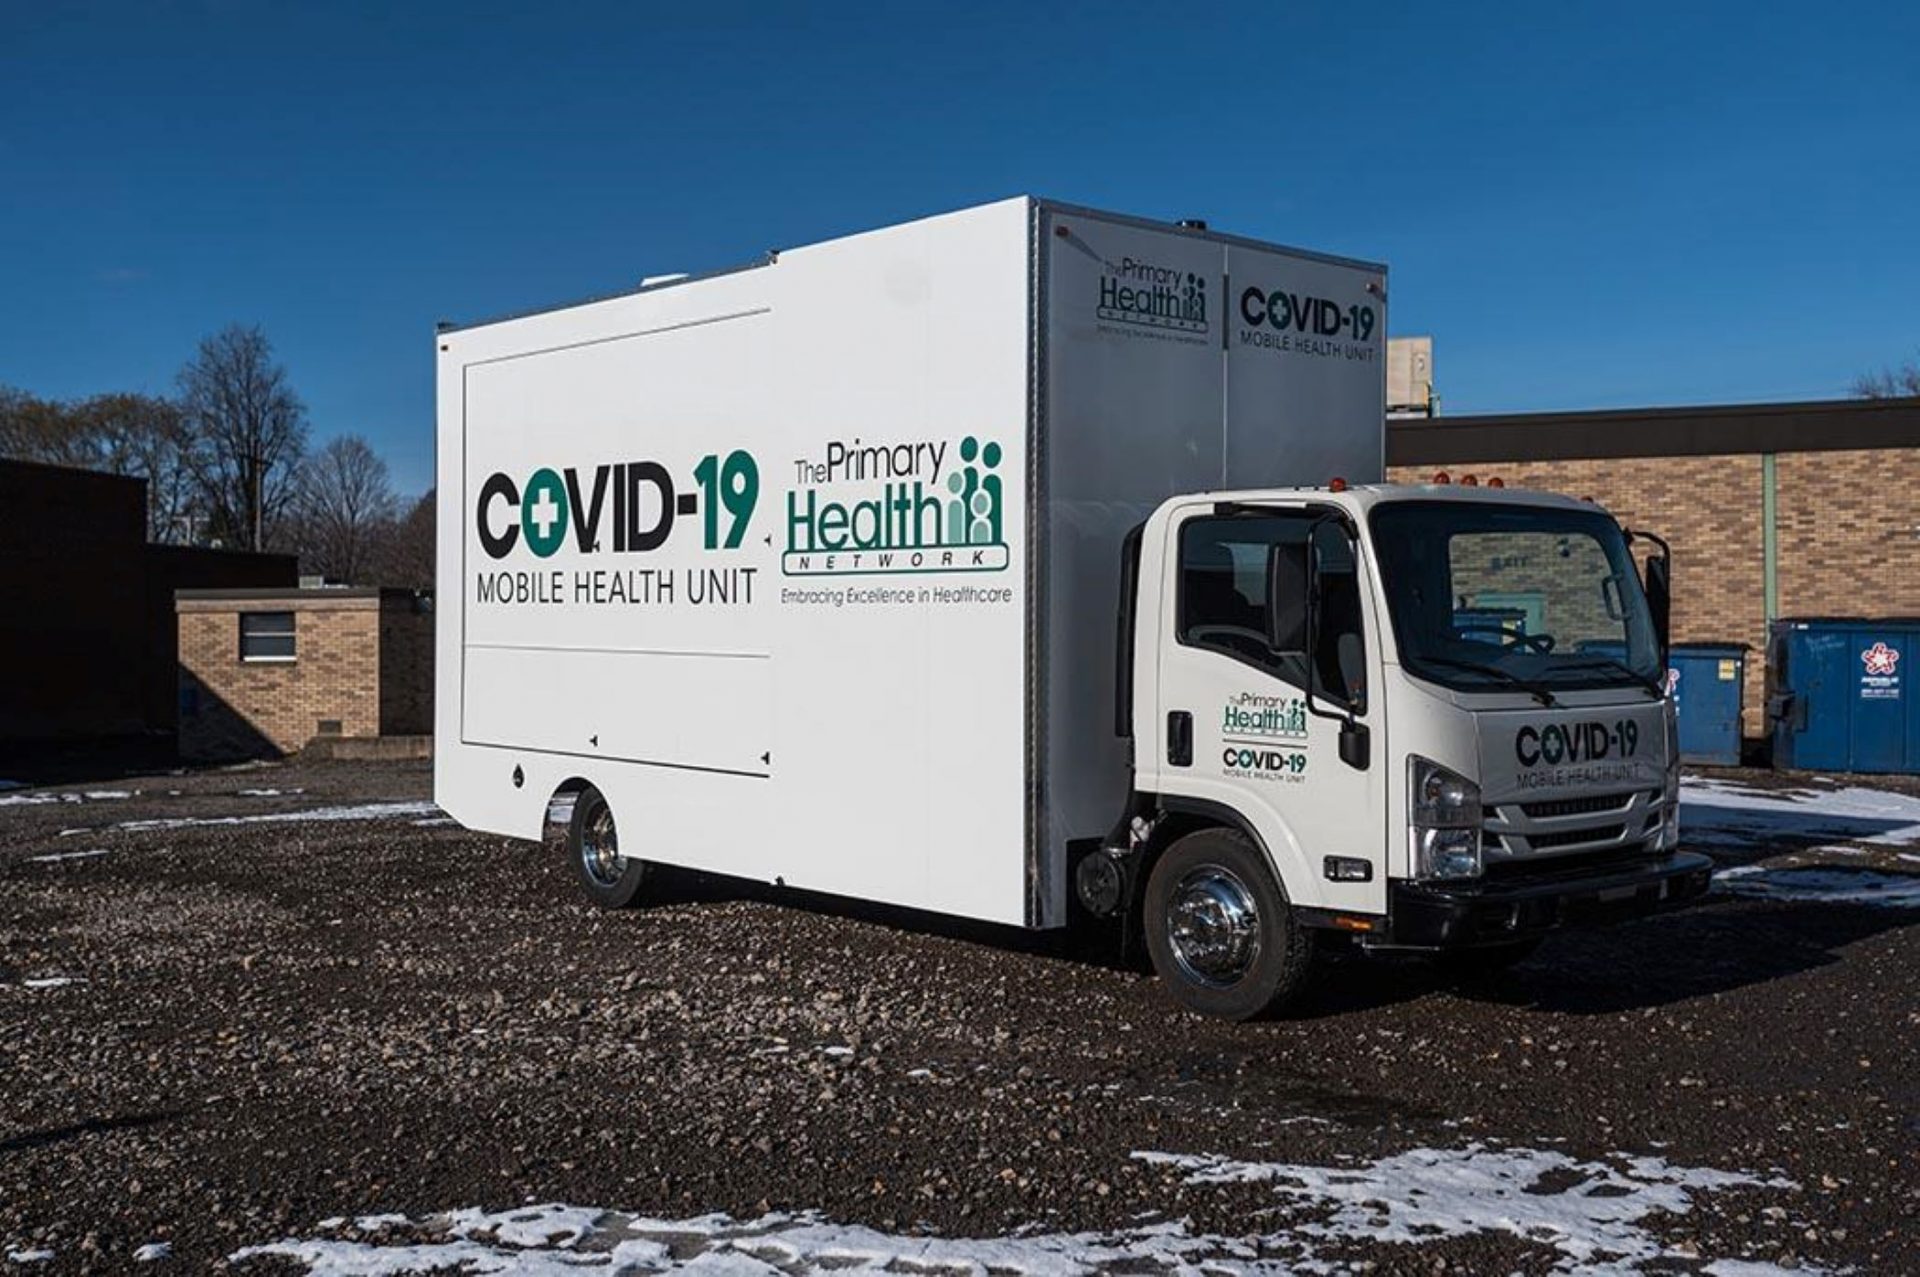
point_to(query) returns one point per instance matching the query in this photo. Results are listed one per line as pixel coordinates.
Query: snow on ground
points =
(29, 1256)
(66, 796)
(152, 1251)
(1829, 886)
(1590, 1214)
(1719, 813)
(54, 857)
(361, 811)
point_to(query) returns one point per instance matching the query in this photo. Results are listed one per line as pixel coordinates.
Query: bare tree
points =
(132, 434)
(344, 509)
(36, 429)
(407, 557)
(249, 429)
(1890, 383)
(147, 437)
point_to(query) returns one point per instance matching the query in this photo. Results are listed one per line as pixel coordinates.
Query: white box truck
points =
(1031, 560)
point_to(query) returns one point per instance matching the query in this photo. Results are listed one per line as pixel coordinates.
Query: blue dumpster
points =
(1837, 695)
(1705, 682)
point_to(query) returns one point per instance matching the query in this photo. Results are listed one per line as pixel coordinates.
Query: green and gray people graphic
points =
(973, 517)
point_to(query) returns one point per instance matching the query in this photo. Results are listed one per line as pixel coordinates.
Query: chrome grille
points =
(1584, 823)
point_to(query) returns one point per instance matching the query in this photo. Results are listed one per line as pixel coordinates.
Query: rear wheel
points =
(611, 878)
(1220, 931)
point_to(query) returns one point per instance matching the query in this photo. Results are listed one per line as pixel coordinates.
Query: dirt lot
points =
(219, 1031)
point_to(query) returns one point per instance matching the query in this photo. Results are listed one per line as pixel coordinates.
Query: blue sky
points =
(1585, 205)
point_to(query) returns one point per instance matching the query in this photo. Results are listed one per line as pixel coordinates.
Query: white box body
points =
(873, 684)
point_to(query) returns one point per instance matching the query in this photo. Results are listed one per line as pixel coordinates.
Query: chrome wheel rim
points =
(600, 849)
(1213, 927)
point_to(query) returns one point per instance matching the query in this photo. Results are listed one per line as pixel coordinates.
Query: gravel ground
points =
(219, 1035)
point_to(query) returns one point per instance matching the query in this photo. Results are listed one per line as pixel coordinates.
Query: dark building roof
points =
(1815, 426)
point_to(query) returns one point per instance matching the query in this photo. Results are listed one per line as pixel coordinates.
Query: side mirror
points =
(1355, 744)
(1287, 598)
(1660, 600)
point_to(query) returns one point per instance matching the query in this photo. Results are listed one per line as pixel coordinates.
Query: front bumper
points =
(1522, 906)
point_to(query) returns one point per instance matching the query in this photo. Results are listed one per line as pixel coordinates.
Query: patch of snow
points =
(50, 982)
(1592, 1214)
(1829, 886)
(66, 796)
(550, 1225)
(435, 822)
(362, 811)
(29, 1256)
(1725, 813)
(1582, 1209)
(54, 857)
(152, 1252)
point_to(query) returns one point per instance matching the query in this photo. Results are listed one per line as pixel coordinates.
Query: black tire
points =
(611, 885)
(1257, 974)
(1467, 965)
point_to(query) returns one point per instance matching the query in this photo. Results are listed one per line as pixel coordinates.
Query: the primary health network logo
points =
(864, 509)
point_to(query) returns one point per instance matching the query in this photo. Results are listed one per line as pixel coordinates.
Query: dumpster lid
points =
(1851, 622)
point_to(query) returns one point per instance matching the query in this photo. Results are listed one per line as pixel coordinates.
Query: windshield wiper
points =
(1640, 680)
(1535, 690)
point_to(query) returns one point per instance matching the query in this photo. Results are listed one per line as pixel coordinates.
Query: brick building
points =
(266, 672)
(1773, 510)
(86, 606)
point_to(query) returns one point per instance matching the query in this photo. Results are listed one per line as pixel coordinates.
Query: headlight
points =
(1444, 825)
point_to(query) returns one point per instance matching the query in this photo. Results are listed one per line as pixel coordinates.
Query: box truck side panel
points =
(1157, 383)
(748, 554)
(1306, 343)
(902, 388)
(595, 648)
(1133, 415)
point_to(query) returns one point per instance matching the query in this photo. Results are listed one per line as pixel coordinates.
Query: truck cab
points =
(1428, 718)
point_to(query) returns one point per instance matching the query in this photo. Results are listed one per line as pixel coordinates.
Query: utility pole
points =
(257, 486)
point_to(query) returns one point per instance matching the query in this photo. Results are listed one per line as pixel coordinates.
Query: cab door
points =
(1237, 730)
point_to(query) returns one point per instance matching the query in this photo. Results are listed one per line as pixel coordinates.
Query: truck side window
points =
(1223, 596)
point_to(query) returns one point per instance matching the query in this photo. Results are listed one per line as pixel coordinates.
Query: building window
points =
(266, 636)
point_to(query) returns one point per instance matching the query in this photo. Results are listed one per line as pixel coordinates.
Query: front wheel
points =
(1220, 931)
(611, 878)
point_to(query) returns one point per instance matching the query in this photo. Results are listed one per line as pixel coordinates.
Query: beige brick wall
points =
(247, 708)
(1849, 533)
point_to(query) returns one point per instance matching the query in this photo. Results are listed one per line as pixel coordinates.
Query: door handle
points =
(1179, 738)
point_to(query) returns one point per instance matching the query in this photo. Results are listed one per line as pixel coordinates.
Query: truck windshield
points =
(1485, 595)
